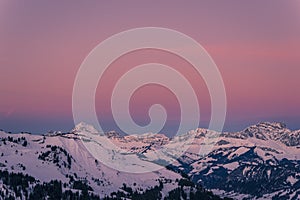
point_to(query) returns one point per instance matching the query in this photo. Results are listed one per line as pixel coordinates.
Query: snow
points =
(83, 163)
(292, 180)
(269, 173)
(118, 158)
(231, 166)
(232, 195)
(238, 152)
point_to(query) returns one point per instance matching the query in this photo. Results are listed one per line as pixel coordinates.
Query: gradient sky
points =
(255, 44)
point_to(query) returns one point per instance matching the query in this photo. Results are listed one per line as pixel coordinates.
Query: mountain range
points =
(259, 162)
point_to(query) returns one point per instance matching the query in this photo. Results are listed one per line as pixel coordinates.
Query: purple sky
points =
(255, 44)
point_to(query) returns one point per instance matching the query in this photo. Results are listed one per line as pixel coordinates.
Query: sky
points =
(255, 44)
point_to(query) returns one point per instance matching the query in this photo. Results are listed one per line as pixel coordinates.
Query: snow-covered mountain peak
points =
(271, 125)
(83, 127)
(274, 131)
(267, 127)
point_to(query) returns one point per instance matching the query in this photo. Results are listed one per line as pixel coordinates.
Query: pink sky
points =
(256, 46)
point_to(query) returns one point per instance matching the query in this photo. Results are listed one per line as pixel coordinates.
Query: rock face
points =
(262, 161)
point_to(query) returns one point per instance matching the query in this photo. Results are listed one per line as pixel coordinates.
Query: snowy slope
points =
(104, 180)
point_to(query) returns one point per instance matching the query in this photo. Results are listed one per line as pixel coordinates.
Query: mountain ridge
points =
(262, 153)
